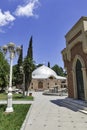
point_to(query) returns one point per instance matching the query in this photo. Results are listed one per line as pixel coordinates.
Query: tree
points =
(58, 70)
(17, 76)
(15, 79)
(28, 65)
(20, 59)
(20, 63)
(28, 68)
(4, 71)
(49, 64)
(30, 50)
(39, 65)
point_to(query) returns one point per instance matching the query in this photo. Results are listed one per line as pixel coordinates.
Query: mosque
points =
(75, 60)
(44, 78)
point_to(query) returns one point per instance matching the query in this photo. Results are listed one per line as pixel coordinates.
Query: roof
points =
(44, 72)
(83, 18)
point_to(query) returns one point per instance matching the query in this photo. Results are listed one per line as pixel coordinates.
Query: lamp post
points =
(12, 49)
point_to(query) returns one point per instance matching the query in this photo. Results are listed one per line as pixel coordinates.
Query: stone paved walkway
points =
(47, 113)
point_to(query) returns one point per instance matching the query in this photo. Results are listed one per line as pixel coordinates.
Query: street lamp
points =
(12, 49)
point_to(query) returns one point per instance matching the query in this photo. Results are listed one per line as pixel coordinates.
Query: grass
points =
(3, 96)
(14, 120)
(20, 97)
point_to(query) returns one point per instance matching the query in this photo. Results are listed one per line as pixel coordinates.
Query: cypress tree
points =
(19, 76)
(28, 65)
(30, 50)
(20, 59)
(49, 64)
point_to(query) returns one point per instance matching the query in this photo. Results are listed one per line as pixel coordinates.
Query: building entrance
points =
(40, 85)
(79, 80)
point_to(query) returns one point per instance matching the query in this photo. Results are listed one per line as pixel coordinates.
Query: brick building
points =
(44, 78)
(75, 59)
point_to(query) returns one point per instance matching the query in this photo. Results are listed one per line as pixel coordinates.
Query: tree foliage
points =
(49, 64)
(28, 65)
(39, 65)
(28, 68)
(4, 71)
(20, 59)
(30, 49)
(59, 70)
(17, 76)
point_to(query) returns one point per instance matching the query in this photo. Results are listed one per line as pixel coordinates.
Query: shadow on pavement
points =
(61, 103)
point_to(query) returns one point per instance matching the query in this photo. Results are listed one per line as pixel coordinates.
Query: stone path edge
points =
(27, 117)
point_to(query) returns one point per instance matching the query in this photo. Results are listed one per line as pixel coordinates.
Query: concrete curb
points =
(27, 117)
(17, 102)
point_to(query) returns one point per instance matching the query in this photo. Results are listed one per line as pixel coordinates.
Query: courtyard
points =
(49, 113)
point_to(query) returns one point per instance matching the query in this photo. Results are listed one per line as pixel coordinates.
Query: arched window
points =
(40, 85)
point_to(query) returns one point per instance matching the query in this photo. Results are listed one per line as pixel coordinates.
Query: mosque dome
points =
(44, 72)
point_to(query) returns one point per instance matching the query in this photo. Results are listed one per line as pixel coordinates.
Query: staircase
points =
(76, 105)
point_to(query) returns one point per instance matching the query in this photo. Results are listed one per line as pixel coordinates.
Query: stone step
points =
(75, 104)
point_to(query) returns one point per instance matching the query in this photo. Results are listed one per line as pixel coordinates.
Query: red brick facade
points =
(76, 50)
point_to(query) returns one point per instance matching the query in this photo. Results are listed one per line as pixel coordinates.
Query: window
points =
(51, 77)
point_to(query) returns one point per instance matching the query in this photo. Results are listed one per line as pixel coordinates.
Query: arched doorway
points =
(79, 80)
(40, 85)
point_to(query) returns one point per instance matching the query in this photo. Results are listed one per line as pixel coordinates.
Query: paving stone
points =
(46, 115)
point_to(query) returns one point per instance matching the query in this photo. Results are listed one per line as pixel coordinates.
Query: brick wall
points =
(76, 50)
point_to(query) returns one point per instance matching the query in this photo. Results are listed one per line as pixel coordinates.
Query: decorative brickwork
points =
(77, 35)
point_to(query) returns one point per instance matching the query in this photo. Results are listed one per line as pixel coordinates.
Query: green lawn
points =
(14, 120)
(3, 96)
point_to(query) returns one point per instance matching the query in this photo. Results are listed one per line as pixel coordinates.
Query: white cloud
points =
(6, 18)
(27, 9)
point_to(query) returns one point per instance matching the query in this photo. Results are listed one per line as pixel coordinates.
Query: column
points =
(74, 83)
(85, 82)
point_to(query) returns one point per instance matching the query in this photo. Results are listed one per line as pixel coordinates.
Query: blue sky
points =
(46, 20)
